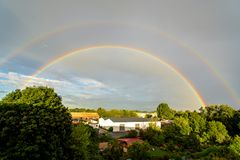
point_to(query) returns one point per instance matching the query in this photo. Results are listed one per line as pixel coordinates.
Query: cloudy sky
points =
(123, 54)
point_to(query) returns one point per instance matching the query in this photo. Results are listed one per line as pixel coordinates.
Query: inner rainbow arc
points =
(141, 51)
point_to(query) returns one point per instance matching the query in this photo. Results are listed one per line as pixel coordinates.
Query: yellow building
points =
(85, 115)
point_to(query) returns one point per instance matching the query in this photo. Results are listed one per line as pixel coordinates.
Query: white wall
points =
(128, 125)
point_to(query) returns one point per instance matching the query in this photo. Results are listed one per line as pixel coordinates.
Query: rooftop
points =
(129, 119)
(76, 115)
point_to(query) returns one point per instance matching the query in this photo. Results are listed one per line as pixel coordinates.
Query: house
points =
(126, 124)
(89, 117)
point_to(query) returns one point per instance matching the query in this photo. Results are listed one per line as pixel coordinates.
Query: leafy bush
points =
(131, 134)
(235, 146)
(139, 151)
(114, 151)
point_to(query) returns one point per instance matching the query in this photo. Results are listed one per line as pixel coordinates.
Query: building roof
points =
(130, 119)
(76, 115)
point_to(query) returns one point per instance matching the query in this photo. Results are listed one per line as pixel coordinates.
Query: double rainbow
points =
(176, 41)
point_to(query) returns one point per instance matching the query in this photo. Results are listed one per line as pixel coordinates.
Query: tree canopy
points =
(164, 111)
(116, 113)
(40, 96)
(34, 125)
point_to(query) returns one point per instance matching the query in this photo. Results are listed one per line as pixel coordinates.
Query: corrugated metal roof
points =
(130, 119)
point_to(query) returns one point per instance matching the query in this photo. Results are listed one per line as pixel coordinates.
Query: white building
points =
(126, 124)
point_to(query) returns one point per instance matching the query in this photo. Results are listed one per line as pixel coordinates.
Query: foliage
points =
(234, 147)
(164, 111)
(13, 96)
(80, 142)
(114, 151)
(82, 110)
(116, 113)
(84, 143)
(216, 132)
(213, 152)
(131, 134)
(197, 122)
(139, 151)
(105, 138)
(236, 123)
(148, 116)
(182, 125)
(34, 124)
(221, 113)
(153, 136)
(37, 96)
(159, 154)
(110, 129)
(29, 131)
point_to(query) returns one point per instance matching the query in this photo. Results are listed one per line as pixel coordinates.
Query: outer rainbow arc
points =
(226, 85)
(181, 44)
(171, 67)
(197, 54)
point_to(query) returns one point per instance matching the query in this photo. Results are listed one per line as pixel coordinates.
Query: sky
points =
(123, 54)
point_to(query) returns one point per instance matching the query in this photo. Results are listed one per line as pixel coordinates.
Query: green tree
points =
(102, 112)
(40, 96)
(182, 125)
(234, 147)
(34, 125)
(116, 113)
(153, 135)
(219, 112)
(82, 110)
(84, 143)
(164, 111)
(139, 151)
(216, 132)
(114, 151)
(148, 116)
(13, 96)
(222, 113)
(80, 142)
(236, 123)
(197, 122)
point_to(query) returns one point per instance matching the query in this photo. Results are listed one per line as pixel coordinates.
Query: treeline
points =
(116, 113)
(81, 110)
(108, 113)
(34, 124)
(211, 133)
